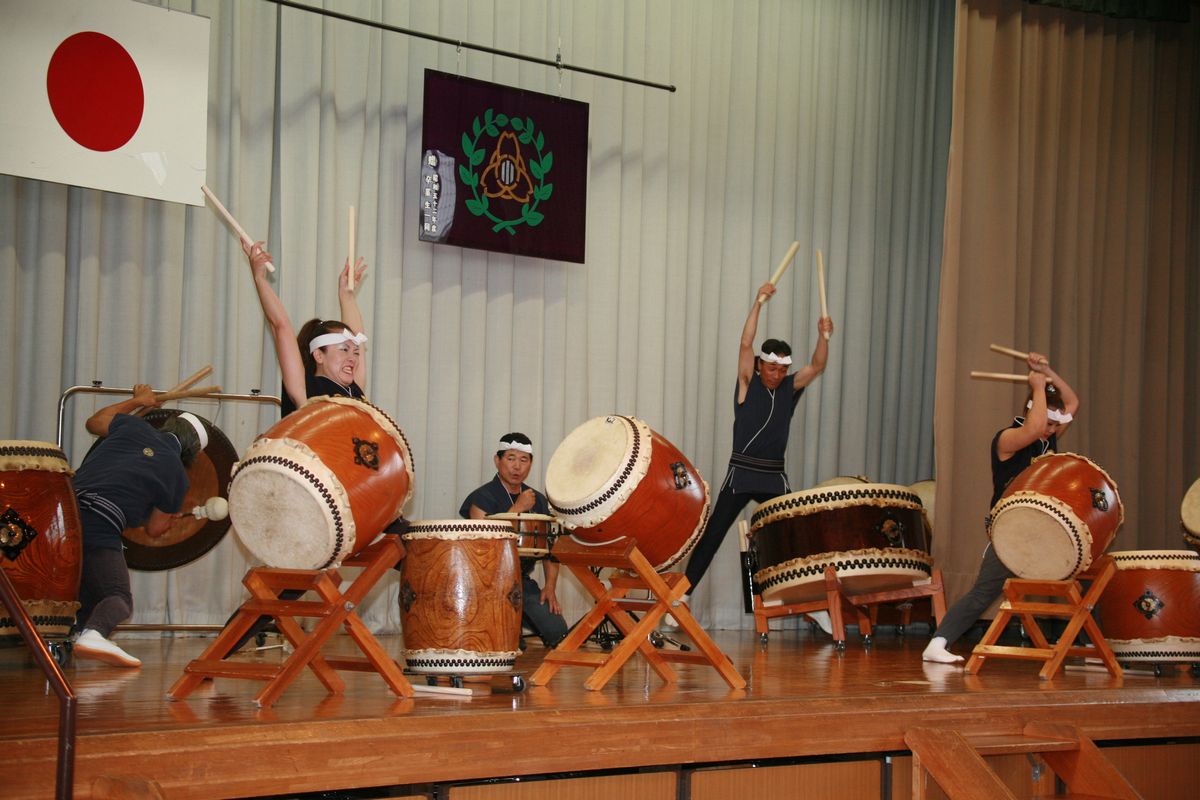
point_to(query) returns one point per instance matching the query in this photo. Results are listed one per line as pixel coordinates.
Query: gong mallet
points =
(233, 223)
(782, 268)
(214, 508)
(1008, 351)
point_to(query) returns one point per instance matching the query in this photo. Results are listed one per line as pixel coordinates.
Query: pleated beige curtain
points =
(1071, 229)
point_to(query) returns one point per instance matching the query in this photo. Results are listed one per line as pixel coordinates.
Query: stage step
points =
(955, 761)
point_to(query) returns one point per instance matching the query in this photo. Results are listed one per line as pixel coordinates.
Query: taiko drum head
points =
(1189, 515)
(587, 473)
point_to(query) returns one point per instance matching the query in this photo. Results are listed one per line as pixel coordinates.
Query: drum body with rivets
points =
(1150, 610)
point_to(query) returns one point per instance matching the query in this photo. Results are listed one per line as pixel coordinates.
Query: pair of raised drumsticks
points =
(1005, 376)
(782, 268)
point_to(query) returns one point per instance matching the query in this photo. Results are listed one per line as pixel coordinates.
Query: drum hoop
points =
(1181, 560)
(517, 516)
(812, 501)
(1162, 648)
(472, 660)
(389, 427)
(1116, 490)
(455, 530)
(1057, 510)
(842, 561)
(593, 510)
(25, 454)
(292, 457)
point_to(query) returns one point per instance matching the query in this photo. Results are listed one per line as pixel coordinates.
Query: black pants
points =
(989, 585)
(729, 505)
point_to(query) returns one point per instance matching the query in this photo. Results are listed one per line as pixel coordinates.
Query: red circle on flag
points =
(95, 91)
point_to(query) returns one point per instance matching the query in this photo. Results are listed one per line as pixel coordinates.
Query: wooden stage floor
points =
(805, 700)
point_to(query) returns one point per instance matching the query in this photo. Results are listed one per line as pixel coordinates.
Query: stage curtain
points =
(823, 121)
(1071, 229)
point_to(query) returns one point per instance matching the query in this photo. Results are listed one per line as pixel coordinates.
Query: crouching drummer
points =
(135, 476)
(508, 493)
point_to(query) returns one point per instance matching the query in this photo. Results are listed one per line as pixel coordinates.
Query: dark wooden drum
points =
(614, 477)
(1056, 517)
(872, 534)
(460, 597)
(41, 538)
(321, 484)
(1149, 610)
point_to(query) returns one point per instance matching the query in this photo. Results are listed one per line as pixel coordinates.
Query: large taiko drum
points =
(1056, 517)
(321, 484)
(872, 534)
(1189, 516)
(41, 538)
(536, 533)
(1149, 611)
(614, 476)
(460, 596)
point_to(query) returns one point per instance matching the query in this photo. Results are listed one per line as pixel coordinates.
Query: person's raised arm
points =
(143, 396)
(1069, 397)
(1015, 439)
(287, 351)
(820, 356)
(746, 345)
(350, 312)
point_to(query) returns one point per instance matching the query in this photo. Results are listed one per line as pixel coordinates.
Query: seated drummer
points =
(762, 416)
(135, 475)
(1050, 407)
(507, 494)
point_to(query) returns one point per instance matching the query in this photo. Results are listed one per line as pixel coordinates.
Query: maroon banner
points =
(503, 169)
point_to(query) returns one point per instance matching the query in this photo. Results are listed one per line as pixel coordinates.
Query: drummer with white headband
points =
(765, 399)
(1049, 409)
(508, 493)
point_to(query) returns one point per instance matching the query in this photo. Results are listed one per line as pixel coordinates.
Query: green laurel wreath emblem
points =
(478, 204)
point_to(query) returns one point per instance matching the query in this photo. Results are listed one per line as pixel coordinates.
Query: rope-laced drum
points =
(460, 596)
(536, 533)
(614, 476)
(41, 538)
(1149, 610)
(1056, 517)
(872, 534)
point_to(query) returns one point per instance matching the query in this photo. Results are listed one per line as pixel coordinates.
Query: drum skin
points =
(189, 537)
(536, 533)
(40, 535)
(872, 534)
(653, 493)
(1149, 611)
(1056, 517)
(1189, 516)
(321, 484)
(460, 597)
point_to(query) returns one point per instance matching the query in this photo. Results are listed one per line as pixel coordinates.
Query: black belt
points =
(756, 464)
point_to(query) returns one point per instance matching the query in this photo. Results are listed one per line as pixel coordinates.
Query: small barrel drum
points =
(1148, 612)
(872, 534)
(1056, 517)
(321, 484)
(614, 477)
(41, 538)
(1189, 516)
(535, 532)
(460, 596)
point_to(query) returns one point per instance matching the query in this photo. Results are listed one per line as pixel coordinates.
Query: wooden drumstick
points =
(782, 268)
(999, 376)
(351, 258)
(233, 223)
(183, 393)
(191, 381)
(821, 286)
(743, 535)
(1008, 351)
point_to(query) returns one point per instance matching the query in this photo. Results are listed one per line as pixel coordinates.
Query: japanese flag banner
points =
(107, 94)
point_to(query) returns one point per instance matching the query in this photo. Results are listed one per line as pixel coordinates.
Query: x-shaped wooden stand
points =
(335, 609)
(1077, 610)
(612, 602)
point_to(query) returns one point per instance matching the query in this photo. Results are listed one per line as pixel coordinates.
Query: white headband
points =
(201, 432)
(337, 337)
(524, 448)
(1053, 414)
(771, 358)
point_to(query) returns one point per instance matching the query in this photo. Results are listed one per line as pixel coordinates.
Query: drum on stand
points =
(41, 538)
(614, 477)
(872, 534)
(189, 537)
(460, 596)
(1189, 516)
(1056, 517)
(1148, 612)
(535, 532)
(321, 484)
